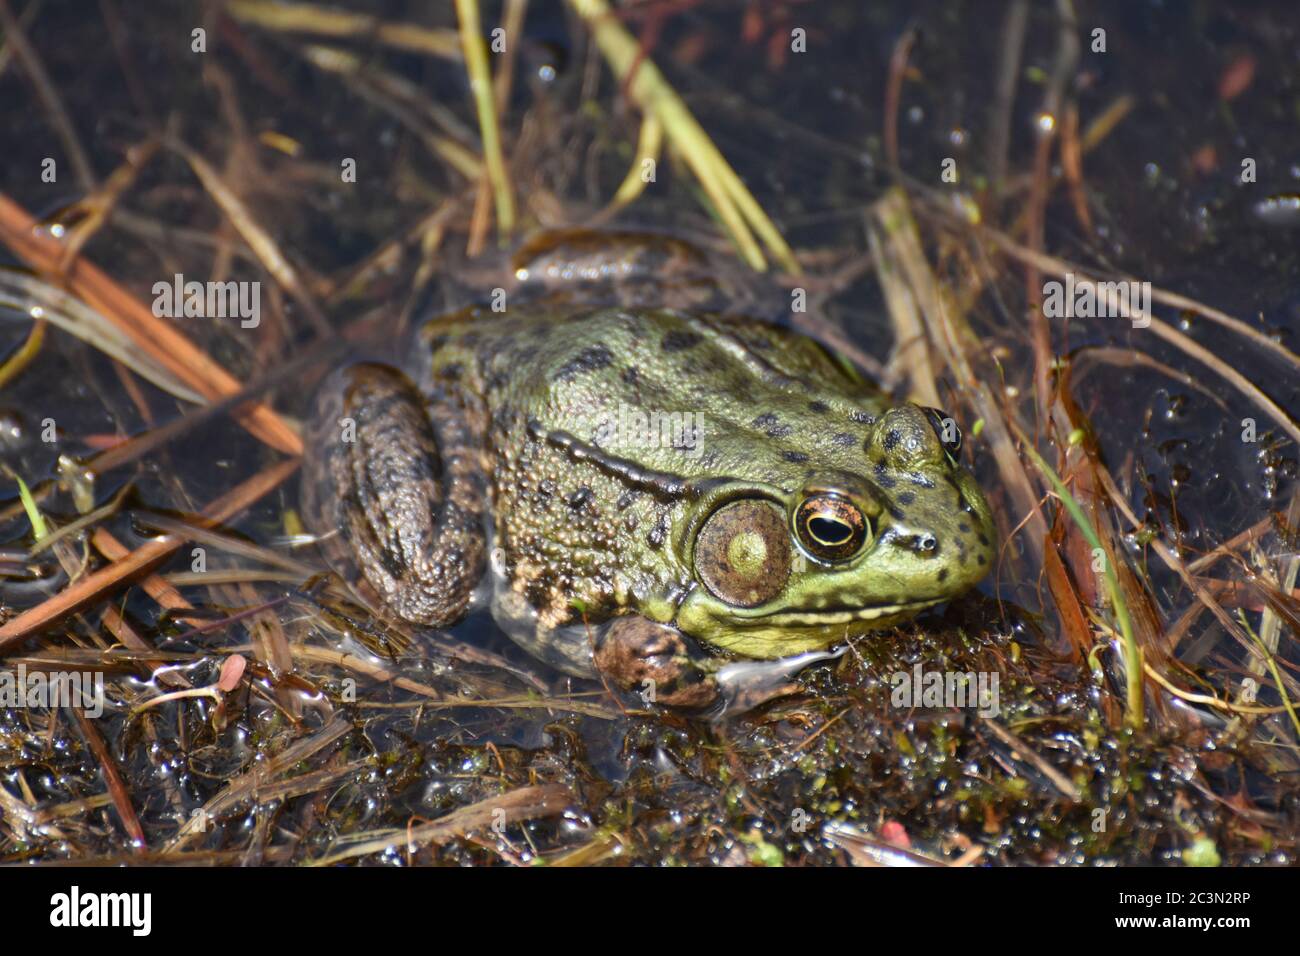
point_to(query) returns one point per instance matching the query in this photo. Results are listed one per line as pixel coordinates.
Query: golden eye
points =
(830, 527)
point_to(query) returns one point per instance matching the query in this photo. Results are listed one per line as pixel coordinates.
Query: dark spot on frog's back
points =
(679, 340)
(588, 360)
(819, 408)
(771, 425)
(843, 440)
(797, 457)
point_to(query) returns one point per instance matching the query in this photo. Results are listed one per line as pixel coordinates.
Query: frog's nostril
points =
(926, 545)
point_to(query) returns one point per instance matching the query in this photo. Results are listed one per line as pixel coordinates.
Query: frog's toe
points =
(656, 661)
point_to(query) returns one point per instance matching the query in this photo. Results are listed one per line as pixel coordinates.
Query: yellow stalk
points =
(734, 204)
(480, 82)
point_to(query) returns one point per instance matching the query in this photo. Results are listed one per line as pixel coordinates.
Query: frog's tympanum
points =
(643, 494)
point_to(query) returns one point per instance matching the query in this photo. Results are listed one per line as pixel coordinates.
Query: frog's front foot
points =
(657, 662)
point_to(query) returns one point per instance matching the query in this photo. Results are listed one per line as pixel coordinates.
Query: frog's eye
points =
(742, 553)
(945, 426)
(830, 527)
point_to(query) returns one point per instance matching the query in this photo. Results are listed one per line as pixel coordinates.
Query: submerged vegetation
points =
(1139, 632)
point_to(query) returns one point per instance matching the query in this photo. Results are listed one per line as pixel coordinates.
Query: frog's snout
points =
(934, 531)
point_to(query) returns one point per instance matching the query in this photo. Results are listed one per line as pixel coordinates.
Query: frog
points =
(647, 495)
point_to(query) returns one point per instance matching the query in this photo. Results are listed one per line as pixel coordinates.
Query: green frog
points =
(640, 494)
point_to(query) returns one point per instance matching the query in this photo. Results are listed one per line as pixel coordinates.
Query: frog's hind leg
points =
(395, 484)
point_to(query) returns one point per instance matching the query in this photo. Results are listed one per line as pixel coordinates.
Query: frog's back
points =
(764, 400)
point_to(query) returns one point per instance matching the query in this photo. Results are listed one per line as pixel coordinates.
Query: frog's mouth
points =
(817, 617)
(769, 632)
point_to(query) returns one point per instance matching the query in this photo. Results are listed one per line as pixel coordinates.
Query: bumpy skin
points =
(398, 490)
(534, 416)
